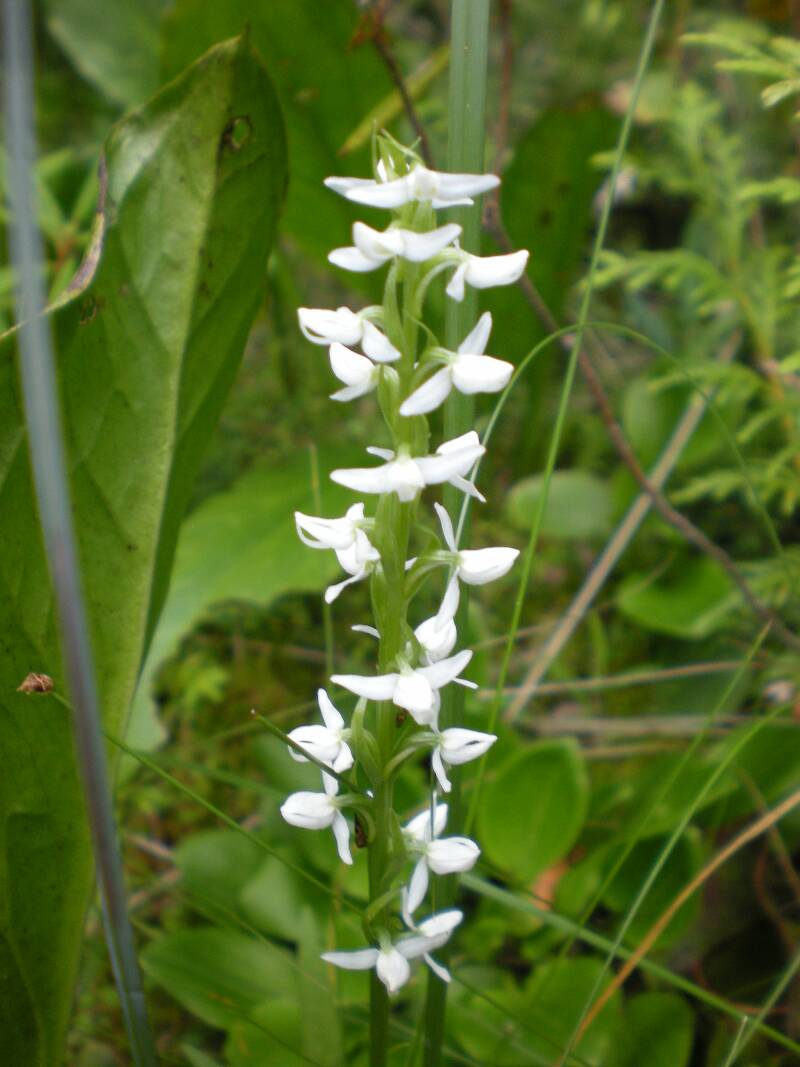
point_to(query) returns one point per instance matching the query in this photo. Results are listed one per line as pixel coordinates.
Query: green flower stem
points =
(465, 153)
(391, 534)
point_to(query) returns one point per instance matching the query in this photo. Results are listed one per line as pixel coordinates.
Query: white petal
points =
(311, 811)
(455, 287)
(429, 395)
(437, 766)
(451, 186)
(447, 611)
(343, 186)
(331, 716)
(438, 639)
(476, 341)
(350, 258)
(439, 927)
(322, 327)
(352, 392)
(323, 533)
(484, 272)
(413, 947)
(318, 741)
(363, 959)
(458, 745)
(417, 887)
(333, 591)
(377, 345)
(447, 527)
(392, 969)
(405, 478)
(419, 828)
(468, 488)
(361, 628)
(451, 855)
(413, 692)
(437, 968)
(345, 760)
(381, 453)
(365, 479)
(418, 247)
(341, 831)
(382, 194)
(440, 674)
(481, 374)
(477, 566)
(455, 444)
(375, 244)
(444, 466)
(350, 367)
(378, 687)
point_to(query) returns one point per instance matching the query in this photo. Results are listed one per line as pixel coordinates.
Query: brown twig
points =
(693, 534)
(372, 28)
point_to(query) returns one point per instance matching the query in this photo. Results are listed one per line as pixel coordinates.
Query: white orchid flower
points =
(414, 689)
(340, 533)
(359, 559)
(406, 475)
(442, 855)
(372, 248)
(317, 811)
(323, 327)
(359, 374)
(420, 184)
(475, 566)
(391, 959)
(455, 746)
(348, 539)
(485, 272)
(468, 370)
(327, 743)
(437, 635)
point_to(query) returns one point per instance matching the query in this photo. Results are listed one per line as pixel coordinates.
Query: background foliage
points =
(644, 726)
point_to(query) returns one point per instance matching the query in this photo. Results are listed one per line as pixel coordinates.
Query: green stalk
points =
(469, 45)
(46, 445)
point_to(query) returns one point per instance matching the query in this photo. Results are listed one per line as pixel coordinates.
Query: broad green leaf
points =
(658, 1030)
(275, 896)
(114, 46)
(147, 348)
(197, 1058)
(693, 599)
(534, 809)
(219, 975)
(215, 865)
(274, 1037)
(241, 545)
(579, 505)
(327, 82)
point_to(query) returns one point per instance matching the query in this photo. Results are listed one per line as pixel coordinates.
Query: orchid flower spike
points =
(485, 272)
(437, 635)
(475, 566)
(346, 327)
(406, 475)
(359, 374)
(468, 370)
(391, 959)
(414, 689)
(456, 746)
(372, 248)
(442, 855)
(317, 811)
(420, 184)
(327, 743)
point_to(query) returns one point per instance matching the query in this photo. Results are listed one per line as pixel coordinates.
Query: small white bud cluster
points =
(424, 663)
